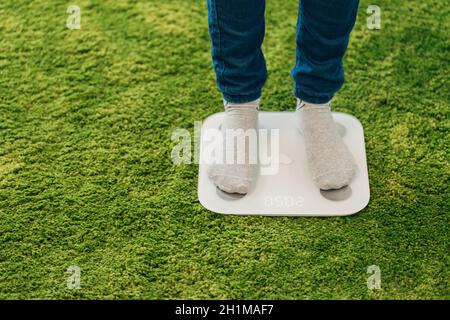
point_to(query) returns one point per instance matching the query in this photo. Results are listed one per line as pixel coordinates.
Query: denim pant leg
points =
(237, 30)
(323, 31)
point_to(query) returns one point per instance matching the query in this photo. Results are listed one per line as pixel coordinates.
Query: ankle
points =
(251, 104)
(304, 104)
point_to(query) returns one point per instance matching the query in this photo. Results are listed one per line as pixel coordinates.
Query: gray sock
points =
(330, 162)
(236, 177)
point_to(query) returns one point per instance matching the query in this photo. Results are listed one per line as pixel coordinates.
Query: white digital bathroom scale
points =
(291, 191)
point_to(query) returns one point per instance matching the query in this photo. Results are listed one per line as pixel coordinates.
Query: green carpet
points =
(86, 176)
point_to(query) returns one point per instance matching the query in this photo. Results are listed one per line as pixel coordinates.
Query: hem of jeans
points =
(317, 99)
(241, 98)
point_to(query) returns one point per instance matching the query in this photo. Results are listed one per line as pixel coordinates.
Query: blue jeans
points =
(237, 31)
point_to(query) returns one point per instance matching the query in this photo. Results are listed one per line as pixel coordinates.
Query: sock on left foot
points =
(331, 164)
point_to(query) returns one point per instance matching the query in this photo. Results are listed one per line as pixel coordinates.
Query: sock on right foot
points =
(234, 177)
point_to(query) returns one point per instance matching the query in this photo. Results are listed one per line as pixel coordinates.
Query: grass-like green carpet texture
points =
(87, 179)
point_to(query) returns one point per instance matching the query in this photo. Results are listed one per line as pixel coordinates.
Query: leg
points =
(323, 32)
(237, 31)
(323, 27)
